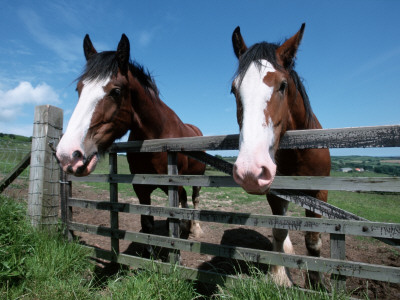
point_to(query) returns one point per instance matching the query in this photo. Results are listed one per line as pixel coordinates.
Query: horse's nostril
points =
(70, 170)
(77, 154)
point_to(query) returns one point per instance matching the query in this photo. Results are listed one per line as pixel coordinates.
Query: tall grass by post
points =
(152, 284)
(15, 242)
(36, 265)
(39, 265)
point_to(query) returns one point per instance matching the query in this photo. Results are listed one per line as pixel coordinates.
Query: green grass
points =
(151, 284)
(38, 265)
(42, 265)
(372, 206)
(256, 287)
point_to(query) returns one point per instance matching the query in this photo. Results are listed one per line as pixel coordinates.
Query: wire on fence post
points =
(114, 223)
(173, 198)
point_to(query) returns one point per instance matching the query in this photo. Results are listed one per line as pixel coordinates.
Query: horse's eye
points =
(283, 86)
(115, 93)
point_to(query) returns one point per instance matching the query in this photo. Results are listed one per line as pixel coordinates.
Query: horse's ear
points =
(287, 51)
(88, 48)
(239, 46)
(122, 54)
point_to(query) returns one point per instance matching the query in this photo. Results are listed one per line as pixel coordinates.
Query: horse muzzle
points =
(77, 163)
(254, 178)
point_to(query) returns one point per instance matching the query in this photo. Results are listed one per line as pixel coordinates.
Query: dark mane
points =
(267, 51)
(104, 64)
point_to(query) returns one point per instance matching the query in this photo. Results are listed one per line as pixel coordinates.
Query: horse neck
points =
(299, 118)
(149, 114)
(304, 162)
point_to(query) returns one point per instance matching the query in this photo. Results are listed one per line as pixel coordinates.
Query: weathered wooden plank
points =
(223, 142)
(173, 199)
(66, 210)
(354, 137)
(351, 227)
(22, 165)
(354, 184)
(211, 160)
(114, 220)
(91, 178)
(315, 205)
(338, 251)
(325, 265)
(177, 180)
(324, 209)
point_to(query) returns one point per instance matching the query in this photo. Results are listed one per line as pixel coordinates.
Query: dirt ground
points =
(360, 250)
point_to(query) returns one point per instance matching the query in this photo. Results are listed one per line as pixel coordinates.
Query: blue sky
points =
(349, 57)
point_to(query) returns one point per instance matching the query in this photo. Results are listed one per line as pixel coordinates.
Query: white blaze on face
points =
(255, 169)
(73, 138)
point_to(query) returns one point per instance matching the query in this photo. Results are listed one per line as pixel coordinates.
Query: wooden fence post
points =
(338, 251)
(114, 222)
(173, 198)
(43, 195)
(66, 210)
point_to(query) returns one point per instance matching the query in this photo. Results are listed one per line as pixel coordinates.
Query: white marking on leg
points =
(279, 276)
(281, 243)
(287, 246)
(317, 246)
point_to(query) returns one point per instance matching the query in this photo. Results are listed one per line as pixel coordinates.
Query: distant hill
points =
(19, 138)
(389, 165)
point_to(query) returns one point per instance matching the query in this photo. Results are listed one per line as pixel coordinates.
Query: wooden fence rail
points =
(380, 136)
(352, 184)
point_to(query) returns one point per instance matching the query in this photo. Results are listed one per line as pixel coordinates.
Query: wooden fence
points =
(337, 222)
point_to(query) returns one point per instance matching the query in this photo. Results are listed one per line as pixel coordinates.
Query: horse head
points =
(266, 92)
(103, 112)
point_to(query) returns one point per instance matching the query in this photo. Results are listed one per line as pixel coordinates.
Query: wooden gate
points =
(337, 223)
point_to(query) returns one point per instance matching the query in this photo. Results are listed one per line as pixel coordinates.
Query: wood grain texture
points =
(354, 184)
(352, 227)
(353, 137)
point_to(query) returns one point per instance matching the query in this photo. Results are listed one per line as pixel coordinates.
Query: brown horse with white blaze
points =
(271, 99)
(117, 95)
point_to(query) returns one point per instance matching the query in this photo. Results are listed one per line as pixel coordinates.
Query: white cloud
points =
(13, 101)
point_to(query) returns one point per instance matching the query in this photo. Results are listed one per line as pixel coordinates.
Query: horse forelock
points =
(105, 65)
